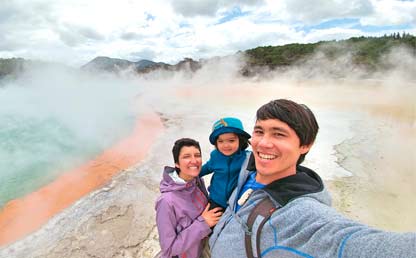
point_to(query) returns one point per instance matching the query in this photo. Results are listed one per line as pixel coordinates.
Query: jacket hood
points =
(304, 182)
(167, 184)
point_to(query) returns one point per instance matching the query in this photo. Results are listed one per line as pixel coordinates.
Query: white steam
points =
(352, 107)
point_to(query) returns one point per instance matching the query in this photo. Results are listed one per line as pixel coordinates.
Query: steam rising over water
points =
(52, 121)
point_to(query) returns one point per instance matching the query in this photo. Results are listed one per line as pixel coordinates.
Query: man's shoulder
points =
(308, 206)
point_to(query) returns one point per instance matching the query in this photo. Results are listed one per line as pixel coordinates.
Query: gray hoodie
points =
(304, 225)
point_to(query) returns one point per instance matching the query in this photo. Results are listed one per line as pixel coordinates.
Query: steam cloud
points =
(84, 113)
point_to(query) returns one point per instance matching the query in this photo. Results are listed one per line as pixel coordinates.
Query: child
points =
(225, 162)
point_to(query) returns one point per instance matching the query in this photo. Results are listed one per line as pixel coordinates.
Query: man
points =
(304, 224)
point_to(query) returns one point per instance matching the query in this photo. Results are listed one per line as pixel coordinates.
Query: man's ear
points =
(305, 148)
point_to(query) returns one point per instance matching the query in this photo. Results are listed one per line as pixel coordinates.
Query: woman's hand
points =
(211, 216)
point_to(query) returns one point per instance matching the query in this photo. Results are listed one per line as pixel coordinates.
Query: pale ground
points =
(118, 220)
(381, 191)
(378, 121)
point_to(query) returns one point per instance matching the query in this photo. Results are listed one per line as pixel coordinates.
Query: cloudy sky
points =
(76, 31)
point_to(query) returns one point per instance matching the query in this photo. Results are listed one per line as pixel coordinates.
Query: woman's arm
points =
(173, 243)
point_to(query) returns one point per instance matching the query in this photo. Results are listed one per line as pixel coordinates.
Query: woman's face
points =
(189, 163)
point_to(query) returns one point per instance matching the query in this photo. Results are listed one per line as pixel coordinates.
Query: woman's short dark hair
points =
(181, 143)
(297, 116)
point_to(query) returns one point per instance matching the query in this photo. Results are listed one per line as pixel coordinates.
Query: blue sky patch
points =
(232, 14)
(150, 17)
(335, 23)
(184, 25)
(397, 28)
(352, 23)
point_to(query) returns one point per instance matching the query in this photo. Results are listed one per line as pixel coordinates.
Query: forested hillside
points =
(365, 51)
(11, 66)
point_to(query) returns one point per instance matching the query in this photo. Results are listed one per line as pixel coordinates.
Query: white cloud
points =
(316, 11)
(390, 12)
(165, 30)
(190, 8)
(193, 8)
(230, 36)
(332, 34)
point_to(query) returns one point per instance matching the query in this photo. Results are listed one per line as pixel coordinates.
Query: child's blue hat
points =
(227, 125)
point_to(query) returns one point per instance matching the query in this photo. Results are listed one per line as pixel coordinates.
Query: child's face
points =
(228, 143)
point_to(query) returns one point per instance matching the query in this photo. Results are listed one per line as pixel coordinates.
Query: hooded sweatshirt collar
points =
(305, 181)
(283, 190)
(169, 184)
(176, 178)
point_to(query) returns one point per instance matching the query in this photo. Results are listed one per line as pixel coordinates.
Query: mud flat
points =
(382, 161)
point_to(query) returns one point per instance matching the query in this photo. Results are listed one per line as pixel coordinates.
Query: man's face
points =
(276, 150)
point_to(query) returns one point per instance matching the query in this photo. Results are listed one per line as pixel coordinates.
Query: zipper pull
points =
(245, 196)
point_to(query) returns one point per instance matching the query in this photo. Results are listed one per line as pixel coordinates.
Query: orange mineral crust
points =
(23, 216)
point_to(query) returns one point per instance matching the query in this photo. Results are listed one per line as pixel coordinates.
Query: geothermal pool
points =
(52, 124)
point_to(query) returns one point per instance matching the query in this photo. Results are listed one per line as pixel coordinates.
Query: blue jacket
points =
(304, 226)
(225, 177)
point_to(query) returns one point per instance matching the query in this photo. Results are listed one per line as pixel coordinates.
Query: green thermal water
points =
(34, 151)
(51, 123)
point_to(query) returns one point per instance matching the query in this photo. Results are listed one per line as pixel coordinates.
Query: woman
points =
(182, 216)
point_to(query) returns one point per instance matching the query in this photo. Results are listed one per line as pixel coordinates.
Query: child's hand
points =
(211, 216)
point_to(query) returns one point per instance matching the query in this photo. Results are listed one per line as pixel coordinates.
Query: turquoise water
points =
(49, 125)
(34, 151)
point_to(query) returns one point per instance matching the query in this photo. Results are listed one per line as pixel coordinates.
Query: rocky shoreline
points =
(78, 224)
(110, 222)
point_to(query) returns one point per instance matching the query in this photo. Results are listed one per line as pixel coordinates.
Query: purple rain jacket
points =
(178, 216)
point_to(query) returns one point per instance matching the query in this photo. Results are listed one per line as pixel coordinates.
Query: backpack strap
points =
(264, 208)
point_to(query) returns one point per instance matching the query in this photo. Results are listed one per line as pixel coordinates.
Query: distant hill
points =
(364, 52)
(142, 64)
(11, 66)
(109, 64)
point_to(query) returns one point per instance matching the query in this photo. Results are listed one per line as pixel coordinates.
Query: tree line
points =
(365, 51)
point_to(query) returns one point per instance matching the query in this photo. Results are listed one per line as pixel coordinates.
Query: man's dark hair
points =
(181, 143)
(297, 116)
